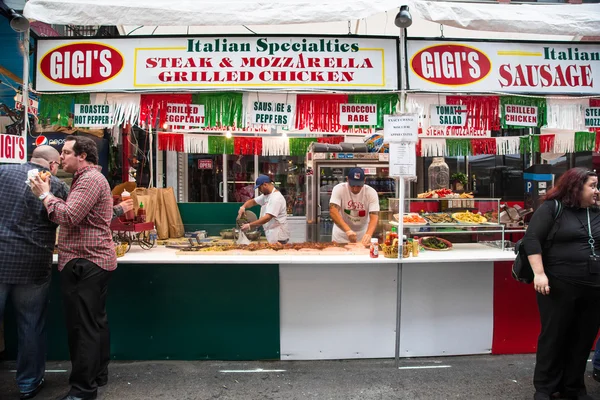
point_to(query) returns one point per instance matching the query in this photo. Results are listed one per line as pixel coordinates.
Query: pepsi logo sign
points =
(451, 64)
(41, 141)
(80, 64)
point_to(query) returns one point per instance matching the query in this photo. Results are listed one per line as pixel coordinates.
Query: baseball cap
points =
(356, 177)
(262, 179)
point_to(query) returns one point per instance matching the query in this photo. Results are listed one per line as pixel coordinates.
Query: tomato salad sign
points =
(259, 62)
(511, 67)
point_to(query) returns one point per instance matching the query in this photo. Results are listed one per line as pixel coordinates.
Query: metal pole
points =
(25, 85)
(398, 314)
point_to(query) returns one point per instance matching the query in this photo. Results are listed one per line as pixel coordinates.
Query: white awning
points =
(551, 19)
(201, 12)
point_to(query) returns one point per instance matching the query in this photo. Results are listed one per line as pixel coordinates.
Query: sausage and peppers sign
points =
(508, 67)
(259, 62)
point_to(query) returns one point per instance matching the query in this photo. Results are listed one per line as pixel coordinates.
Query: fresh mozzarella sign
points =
(259, 62)
(511, 67)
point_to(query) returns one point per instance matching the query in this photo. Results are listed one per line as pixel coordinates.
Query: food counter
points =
(167, 305)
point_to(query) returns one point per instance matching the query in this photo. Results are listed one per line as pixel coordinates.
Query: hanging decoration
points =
(331, 139)
(421, 104)
(319, 112)
(221, 110)
(530, 143)
(195, 143)
(170, 142)
(567, 113)
(57, 109)
(483, 114)
(484, 146)
(153, 107)
(275, 146)
(584, 141)
(458, 147)
(247, 146)
(563, 142)
(220, 145)
(540, 103)
(299, 146)
(546, 143)
(433, 147)
(508, 145)
(387, 104)
(126, 106)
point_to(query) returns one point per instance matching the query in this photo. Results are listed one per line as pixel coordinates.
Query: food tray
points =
(433, 248)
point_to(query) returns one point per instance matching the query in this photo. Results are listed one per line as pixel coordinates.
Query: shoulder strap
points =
(557, 209)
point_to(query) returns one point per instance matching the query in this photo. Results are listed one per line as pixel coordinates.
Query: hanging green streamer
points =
(458, 147)
(540, 103)
(585, 141)
(386, 104)
(53, 105)
(526, 144)
(220, 145)
(299, 146)
(221, 109)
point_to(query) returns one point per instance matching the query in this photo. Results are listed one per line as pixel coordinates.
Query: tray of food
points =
(411, 219)
(468, 217)
(435, 243)
(438, 218)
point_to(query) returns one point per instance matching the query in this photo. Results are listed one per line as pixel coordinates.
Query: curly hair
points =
(85, 145)
(569, 187)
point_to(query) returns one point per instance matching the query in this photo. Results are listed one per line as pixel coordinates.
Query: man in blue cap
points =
(354, 207)
(273, 211)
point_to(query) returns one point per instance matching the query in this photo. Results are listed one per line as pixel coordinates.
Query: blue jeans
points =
(30, 303)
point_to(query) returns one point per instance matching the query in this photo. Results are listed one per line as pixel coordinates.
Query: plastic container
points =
(129, 215)
(374, 250)
(141, 213)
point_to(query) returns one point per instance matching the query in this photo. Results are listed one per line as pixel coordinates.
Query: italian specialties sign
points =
(256, 62)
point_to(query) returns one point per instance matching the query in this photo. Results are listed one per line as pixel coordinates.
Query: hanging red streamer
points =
(319, 112)
(155, 105)
(483, 112)
(595, 103)
(247, 146)
(171, 142)
(483, 146)
(418, 148)
(331, 139)
(546, 143)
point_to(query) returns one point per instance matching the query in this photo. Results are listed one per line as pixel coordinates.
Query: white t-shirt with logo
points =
(355, 209)
(276, 229)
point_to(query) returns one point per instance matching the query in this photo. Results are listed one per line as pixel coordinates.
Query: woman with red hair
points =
(565, 258)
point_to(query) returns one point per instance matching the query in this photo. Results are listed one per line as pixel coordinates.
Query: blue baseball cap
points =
(262, 179)
(356, 177)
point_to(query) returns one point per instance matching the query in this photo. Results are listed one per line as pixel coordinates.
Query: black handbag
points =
(521, 268)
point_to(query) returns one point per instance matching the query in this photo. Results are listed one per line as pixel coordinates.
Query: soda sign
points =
(81, 64)
(451, 64)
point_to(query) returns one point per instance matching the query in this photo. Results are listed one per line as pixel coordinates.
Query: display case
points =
(452, 220)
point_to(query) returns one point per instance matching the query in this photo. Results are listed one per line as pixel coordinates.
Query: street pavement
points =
(470, 377)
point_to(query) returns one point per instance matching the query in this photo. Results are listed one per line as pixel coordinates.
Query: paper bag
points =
(175, 223)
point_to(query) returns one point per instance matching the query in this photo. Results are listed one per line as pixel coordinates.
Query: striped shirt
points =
(27, 236)
(84, 220)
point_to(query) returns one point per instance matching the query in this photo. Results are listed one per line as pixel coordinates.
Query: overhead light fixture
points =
(403, 18)
(18, 23)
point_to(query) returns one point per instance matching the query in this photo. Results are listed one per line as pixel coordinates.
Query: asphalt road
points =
(473, 377)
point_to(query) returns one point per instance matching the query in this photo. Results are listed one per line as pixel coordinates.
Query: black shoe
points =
(596, 374)
(34, 392)
(541, 396)
(101, 382)
(72, 397)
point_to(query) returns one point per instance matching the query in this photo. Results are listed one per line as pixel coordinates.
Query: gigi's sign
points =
(514, 67)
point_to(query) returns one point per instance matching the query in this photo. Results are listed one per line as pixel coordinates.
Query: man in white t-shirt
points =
(273, 211)
(354, 207)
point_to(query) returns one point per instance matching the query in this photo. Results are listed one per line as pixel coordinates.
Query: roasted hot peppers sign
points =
(511, 67)
(257, 62)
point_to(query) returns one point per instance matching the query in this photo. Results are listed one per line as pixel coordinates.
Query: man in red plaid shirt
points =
(86, 257)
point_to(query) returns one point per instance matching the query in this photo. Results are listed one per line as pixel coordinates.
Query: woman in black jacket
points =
(566, 264)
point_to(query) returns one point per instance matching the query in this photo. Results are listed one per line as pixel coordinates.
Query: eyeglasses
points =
(54, 162)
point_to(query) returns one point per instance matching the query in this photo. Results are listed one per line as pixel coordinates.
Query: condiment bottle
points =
(374, 250)
(141, 214)
(415, 249)
(129, 215)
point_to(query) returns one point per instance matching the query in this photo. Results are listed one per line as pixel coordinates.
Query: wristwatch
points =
(44, 195)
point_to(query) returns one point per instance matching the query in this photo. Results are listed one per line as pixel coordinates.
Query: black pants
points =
(570, 318)
(84, 289)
